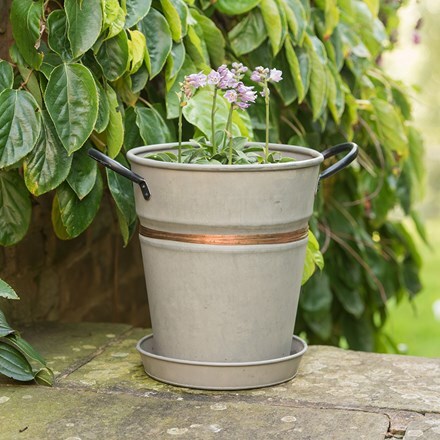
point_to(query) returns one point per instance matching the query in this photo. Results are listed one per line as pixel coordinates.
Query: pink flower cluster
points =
(230, 80)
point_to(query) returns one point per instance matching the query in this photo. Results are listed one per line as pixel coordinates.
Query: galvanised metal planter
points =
(223, 248)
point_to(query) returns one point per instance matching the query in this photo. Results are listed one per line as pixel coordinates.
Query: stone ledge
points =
(102, 391)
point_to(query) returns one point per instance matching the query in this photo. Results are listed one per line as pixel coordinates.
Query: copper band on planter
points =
(227, 240)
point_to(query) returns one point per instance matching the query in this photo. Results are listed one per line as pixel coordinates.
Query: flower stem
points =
(214, 109)
(229, 133)
(267, 102)
(179, 159)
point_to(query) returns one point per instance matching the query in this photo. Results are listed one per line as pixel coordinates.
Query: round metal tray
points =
(219, 375)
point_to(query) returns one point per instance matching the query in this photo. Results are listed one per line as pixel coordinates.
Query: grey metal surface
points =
(220, 375)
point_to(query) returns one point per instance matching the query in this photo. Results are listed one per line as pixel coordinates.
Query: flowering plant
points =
(223, 147)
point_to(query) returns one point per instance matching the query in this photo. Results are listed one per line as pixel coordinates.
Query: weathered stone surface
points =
(426, 428)
(41, 413)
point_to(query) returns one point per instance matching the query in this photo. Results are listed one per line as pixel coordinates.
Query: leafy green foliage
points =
(106, 73)
(18, 359)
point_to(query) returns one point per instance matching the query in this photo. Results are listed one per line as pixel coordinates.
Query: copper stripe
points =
(227, 240)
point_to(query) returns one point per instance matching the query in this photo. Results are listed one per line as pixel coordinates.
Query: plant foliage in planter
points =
(106, 72)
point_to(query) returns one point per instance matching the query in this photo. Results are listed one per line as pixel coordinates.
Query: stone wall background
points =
(90, 278)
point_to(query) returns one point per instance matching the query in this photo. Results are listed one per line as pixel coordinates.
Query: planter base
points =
(218, 375)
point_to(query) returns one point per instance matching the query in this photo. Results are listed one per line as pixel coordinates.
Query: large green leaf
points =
(114, 18)
(20, 123)
(159, 42)
(248, 34)
(273, 21)
(6, 291)
(152, 127)
(6, 75)
(390, 127)
(132, 137)
(77, 215)
(122, 192)
(115, 129)
(137, 49)
(57, 34)
(196, 47)
(136, 11)
(174, 62)
(213, 37)
(285, 87)
(85, 22)
(173, 19)
(236, 7)
(103, 109)
(57, 223)
(48, 165)
(313, 258)
(82, 176)
(297, 22)
(72, 102)
(295, 69)
(15, 208)
(5, 328)
(13, 364)
(113, 56)
(26, 19)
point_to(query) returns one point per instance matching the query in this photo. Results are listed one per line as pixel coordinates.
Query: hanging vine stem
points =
(359, 259)
(381, 157)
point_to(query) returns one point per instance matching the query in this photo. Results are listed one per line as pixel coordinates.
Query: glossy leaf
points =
(137, 49)
(20, 123)
(26, 18)
(48, 165)
(82, 176)
(57, 34)
(236, 7)
(6, 75)
(248, 34)
(57, 223)
(295, 70)
(15, 208)
(196, 47)
(113, 56)
(113, 18)
(136, 11)
(273, 23)
(159, 42)
(173, 19)
(5, 328)
(103, 109)
(299, 28)
(77, 215)
(84, 24)
(122, 192)
(132, 137)
(72, 102)
(115, 129)
(139, 79)
(174, 62)
(152, 127)
(6, 291)
(313, 258)
(13, 364)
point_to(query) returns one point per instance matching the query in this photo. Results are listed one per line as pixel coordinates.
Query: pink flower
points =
(259, 74)
(196, 80)
(231, 95)
(275, 75)
(213, 77)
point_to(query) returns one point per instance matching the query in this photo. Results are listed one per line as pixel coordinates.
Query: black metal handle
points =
(120, 169)
(352, 149)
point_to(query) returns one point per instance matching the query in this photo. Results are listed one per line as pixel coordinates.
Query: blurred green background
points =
(415, 325)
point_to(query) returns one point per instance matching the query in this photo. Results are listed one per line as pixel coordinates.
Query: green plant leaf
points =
(132, 137)
(72, 102)
(26, 349)
(236, 7)
(159, 42)
(84, 24)
(285, 87)
(103, 109)
(248, 34)
(48, 164)
(57, 223)
(122, 192)
(298, 22)
(77, 215)
(5, 328)
(275, 27)
(174, 62)
(173, 19)
(139, 79)
(26, 18)
(359, 332)
(57, 34)
(114, 18)
(196, 47)
(390, 128)
(115, 129)
(6, 76)
(82, 176)
(137, 49)
(317, 295)
(152, 127)
(20, 124)
(213, 37)
(295, 69)
(136, 11)
(313, 258)
(13, 364)
(6, 291)
(15, 208)
(113, 56)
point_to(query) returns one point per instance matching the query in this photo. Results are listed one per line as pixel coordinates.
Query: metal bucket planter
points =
(223, 250)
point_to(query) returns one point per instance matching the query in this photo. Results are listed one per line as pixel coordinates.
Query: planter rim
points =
(316, 158)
